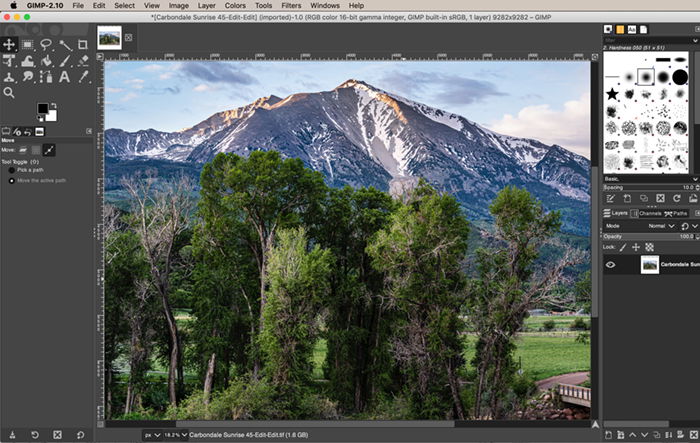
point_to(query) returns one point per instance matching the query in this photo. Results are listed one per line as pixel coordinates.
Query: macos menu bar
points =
(451, 6)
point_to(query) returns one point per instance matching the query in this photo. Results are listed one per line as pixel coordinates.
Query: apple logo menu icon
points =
(13, 5)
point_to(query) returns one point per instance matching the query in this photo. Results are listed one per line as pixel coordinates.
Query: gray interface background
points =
(49, 300)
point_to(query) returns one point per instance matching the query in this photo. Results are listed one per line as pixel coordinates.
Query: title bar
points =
(242, 16)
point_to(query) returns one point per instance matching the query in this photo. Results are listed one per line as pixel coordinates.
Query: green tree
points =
(129, 307)
(226, 307)
(298, 279)
(421, 252)
(120, 267)
(583, 292)
(358, 362)
(267, 193)
(223, 279)
(507, 286)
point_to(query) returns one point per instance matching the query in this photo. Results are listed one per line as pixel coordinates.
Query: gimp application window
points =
(349, 221)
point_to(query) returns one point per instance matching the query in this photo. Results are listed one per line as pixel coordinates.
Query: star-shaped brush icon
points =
(612, 94)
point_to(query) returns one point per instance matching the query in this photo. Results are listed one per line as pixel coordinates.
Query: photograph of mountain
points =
(330, 240)
(109, 38)
(360, 135)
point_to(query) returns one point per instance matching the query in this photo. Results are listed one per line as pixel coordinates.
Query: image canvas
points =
(329, 240)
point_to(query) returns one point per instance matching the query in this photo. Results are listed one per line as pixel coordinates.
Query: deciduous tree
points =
(298, 279)
(160, 212)
(421, 252)
(266, 193)
(358, 324)
(507, 286)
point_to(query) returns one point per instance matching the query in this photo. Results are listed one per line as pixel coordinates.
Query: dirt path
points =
(572, 378)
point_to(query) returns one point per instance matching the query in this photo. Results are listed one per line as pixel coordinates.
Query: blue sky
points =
(548, 101)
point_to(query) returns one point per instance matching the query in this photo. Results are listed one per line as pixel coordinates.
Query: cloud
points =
(206, 87)
(153, 68)
(568, 127)
(116, 107)
(166, 75)
(203, 87)
(447, 89)
(490, 73)
(217, 72)
(135, 83)
(165, 90)
(129, 96)
(531, 96)
(310, 85)
(114, 90)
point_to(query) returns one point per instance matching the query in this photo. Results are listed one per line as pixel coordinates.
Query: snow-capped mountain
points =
(176, 146)
(359, 135)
